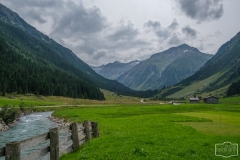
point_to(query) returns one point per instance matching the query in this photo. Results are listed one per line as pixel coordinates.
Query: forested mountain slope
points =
(22, 75)
(39, 49)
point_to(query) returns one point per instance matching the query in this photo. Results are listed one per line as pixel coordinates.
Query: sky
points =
(104, 31)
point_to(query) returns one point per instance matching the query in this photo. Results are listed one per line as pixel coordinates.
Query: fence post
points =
(13, 151)
(95, 129)
(75, 138)
(87, 129)
(54, 144)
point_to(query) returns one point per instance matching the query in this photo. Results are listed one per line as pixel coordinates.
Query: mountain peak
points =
(187, 47)
(184, 46)
(116, 62)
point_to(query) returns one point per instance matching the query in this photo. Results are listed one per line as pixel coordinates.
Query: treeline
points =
(22, 75)
(234, 89)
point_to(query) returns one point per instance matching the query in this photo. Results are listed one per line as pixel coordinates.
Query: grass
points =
(223, 123)
(150, 131)
(130, 129)
(33, 100)
(231, 100)
(195, 87)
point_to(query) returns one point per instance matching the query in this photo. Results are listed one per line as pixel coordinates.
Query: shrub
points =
(32, 108)
(22, 107)
(8, 114)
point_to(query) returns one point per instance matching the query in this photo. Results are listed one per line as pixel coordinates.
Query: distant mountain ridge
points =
(115, 69)
(215, 76)
(165, 68)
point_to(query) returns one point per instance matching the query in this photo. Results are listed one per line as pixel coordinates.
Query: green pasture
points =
(29, 101)
(230, 100)
(130, 129)
(154, 131)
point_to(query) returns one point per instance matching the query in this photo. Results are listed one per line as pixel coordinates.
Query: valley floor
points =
(157, 131)
(135, 130)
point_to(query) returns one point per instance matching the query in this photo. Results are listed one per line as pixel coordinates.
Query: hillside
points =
(165, 69)
(115, 69)
(22, 75)
(25, 41)
(215, 76)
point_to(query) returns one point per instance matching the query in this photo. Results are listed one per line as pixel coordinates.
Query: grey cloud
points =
(173, 25)
(38, 4)
(130, 44)
(159, 31)
(100, 54)
(125, 32)
(174, 40)
(36, 16)
(154, 25)
(79, 21)
(189, 32)
(33, 11)
(202, 10)
(69, 18)
(87, 48)
(215, 34)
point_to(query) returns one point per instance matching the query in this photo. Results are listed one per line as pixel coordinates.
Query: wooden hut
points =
(194, 100)
(211, 100)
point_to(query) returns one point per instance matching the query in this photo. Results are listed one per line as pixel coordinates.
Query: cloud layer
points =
(202, 10)
(93, 37)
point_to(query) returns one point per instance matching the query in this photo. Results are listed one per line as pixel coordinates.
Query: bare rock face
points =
(3, 126)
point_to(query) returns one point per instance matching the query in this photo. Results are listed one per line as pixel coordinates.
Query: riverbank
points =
(28, 126)
(5, 127)
(60, 121)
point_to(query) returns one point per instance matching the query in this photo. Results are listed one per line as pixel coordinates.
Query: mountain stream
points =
(27, 127)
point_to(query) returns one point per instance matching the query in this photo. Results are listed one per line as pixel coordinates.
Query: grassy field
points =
(130, 129)
(230, 100)
(30, 99)
(151, 131)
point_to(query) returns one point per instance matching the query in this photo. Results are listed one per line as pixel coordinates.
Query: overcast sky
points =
(104, 31)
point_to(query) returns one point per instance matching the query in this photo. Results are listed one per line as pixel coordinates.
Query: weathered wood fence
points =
(79, 134)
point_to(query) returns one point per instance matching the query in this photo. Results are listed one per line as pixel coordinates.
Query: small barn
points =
(194, 100)
(211, 100)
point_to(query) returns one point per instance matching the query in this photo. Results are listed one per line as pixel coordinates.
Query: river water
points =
(28, 126)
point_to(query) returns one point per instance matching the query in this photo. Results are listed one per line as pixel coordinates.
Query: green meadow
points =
(130, 129)
(154, 131)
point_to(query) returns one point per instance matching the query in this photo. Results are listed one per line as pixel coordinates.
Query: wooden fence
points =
(73, 137)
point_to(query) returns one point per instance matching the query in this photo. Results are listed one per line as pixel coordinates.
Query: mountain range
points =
(32, 62)
(215, 77)
(165, 68)
(115, 69)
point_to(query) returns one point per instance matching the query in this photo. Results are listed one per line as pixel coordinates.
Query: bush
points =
(32, 108)
(8, 114)
(22, 107)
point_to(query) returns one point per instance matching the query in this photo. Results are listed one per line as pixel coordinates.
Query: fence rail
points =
(73, 137)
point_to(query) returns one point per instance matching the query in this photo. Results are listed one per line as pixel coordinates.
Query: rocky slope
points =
(165, 68)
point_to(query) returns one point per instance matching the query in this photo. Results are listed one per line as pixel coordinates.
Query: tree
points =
(4, 86)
